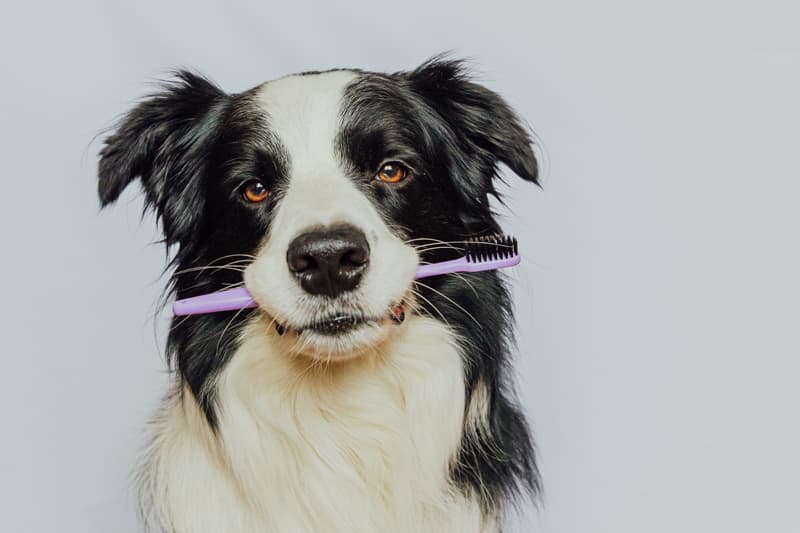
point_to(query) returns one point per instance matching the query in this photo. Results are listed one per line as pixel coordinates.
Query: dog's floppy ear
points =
(166, 141)
(485, 130)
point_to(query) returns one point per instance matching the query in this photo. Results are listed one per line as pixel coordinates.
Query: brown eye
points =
(255, 192)
(392, 173)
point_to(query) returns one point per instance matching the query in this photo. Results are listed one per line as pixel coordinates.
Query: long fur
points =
(405, 428)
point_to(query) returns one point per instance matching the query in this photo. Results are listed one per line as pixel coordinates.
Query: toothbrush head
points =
(490, 248)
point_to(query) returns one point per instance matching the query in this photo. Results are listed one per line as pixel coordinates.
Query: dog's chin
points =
(337, 337)
(336, 342)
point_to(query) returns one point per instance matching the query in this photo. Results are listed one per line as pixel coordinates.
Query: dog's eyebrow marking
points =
(254, 142)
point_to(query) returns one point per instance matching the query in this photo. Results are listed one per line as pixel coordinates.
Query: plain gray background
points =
(657, 301)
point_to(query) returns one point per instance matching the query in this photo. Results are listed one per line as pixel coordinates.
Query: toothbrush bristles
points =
(490, 247)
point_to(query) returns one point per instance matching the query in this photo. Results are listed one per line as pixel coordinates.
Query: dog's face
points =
(324, 191)
(333, 262)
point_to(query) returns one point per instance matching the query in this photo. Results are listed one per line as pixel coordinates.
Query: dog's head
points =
(323, 191)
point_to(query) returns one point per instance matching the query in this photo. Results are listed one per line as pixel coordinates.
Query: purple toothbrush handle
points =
(239, 298)
(230, 300)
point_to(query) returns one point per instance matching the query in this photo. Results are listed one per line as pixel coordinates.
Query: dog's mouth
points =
(343, 323)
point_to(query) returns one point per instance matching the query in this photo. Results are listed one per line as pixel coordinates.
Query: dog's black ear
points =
(166, 141)
(484, 128)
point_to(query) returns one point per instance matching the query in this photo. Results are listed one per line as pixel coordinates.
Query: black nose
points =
(329, 261)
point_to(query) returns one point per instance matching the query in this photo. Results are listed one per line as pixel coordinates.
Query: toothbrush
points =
(490, 252)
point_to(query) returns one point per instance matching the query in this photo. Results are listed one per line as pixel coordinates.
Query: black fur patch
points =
(193, 146)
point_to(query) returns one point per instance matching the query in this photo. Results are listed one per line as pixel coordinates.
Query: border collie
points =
(321, 193)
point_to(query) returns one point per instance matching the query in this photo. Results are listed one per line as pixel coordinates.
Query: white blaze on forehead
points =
(304, 113)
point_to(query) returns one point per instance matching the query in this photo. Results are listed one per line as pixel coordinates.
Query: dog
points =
(321, 409)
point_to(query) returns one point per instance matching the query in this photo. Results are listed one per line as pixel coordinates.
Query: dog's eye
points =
(254, 191)
(392, 172)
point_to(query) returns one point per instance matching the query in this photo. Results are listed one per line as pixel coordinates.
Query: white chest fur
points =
(359, 447)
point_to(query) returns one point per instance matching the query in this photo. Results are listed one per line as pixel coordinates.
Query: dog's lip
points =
(342, 323)
(337, 324)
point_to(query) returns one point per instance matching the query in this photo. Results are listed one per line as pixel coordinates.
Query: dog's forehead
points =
(304, 112)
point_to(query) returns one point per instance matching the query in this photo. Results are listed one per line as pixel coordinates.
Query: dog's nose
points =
(329, 261)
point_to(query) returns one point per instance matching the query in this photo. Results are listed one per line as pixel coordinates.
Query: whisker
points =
(435, 248)
(443, 295)
(218, 259)
(467, 281)
(460, 338)
(409, 241)
(214, 268)
(417, 294)
(225, 329)
(180, 322)
(453, 245)
(247, 258)
(400, 228)
(297, 343)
